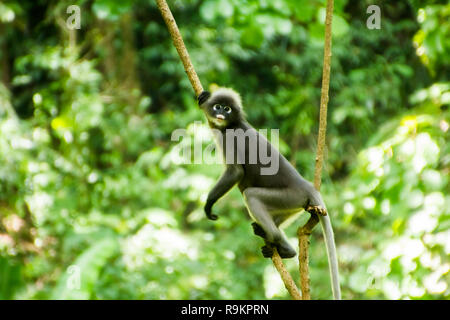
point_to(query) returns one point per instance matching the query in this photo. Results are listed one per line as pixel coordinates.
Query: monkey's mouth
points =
(219, 120)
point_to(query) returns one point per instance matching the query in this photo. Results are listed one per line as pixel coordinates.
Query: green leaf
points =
(6, 14)
(89, 264)
(111, 10)
(304, 12)
(210, 10)
(252, 36)
(10, 278)
(340, 26)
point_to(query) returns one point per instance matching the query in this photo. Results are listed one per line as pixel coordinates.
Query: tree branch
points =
(285, 276)
(197, 86)
(304, 232)
(179, 45)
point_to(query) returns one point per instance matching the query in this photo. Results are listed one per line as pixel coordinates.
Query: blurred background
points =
(93, 205)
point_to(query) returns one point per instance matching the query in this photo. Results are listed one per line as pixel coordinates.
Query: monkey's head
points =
(223, 108)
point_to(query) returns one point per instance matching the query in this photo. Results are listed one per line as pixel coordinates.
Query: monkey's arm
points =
(232, 175)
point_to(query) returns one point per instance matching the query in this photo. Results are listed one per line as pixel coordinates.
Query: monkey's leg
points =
(315, 202)
(267, 249)
(258, 231)
(263, 204)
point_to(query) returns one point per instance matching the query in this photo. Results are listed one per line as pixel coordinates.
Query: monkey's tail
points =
(332, 256)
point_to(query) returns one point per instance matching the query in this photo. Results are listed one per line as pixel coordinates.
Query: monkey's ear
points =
(203, 97)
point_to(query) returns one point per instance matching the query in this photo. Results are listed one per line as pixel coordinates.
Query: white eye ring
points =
(227, 109)
(216, 106)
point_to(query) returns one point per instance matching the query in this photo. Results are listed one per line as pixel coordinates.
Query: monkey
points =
(271, 196)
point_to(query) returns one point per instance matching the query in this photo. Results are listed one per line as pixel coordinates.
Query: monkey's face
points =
(222, 108)
(222, 114)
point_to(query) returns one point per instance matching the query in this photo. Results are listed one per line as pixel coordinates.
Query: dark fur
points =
(270, 199)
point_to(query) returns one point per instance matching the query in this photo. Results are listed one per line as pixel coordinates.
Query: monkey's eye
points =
(216, 107)
(227, 109)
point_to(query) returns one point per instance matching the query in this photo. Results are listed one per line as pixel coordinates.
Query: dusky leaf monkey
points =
(272, 188)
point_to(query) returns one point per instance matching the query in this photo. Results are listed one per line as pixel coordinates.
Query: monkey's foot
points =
(319, 210)
(257, 230)
(286, 251)
(267, 251)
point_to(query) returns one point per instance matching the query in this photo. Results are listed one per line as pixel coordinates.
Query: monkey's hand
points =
(203, 97)
(209, 214)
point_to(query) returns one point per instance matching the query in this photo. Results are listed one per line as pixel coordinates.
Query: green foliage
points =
(90, 262)
(11, 278)
(88, 171)
(432, 40)
(397, 195)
